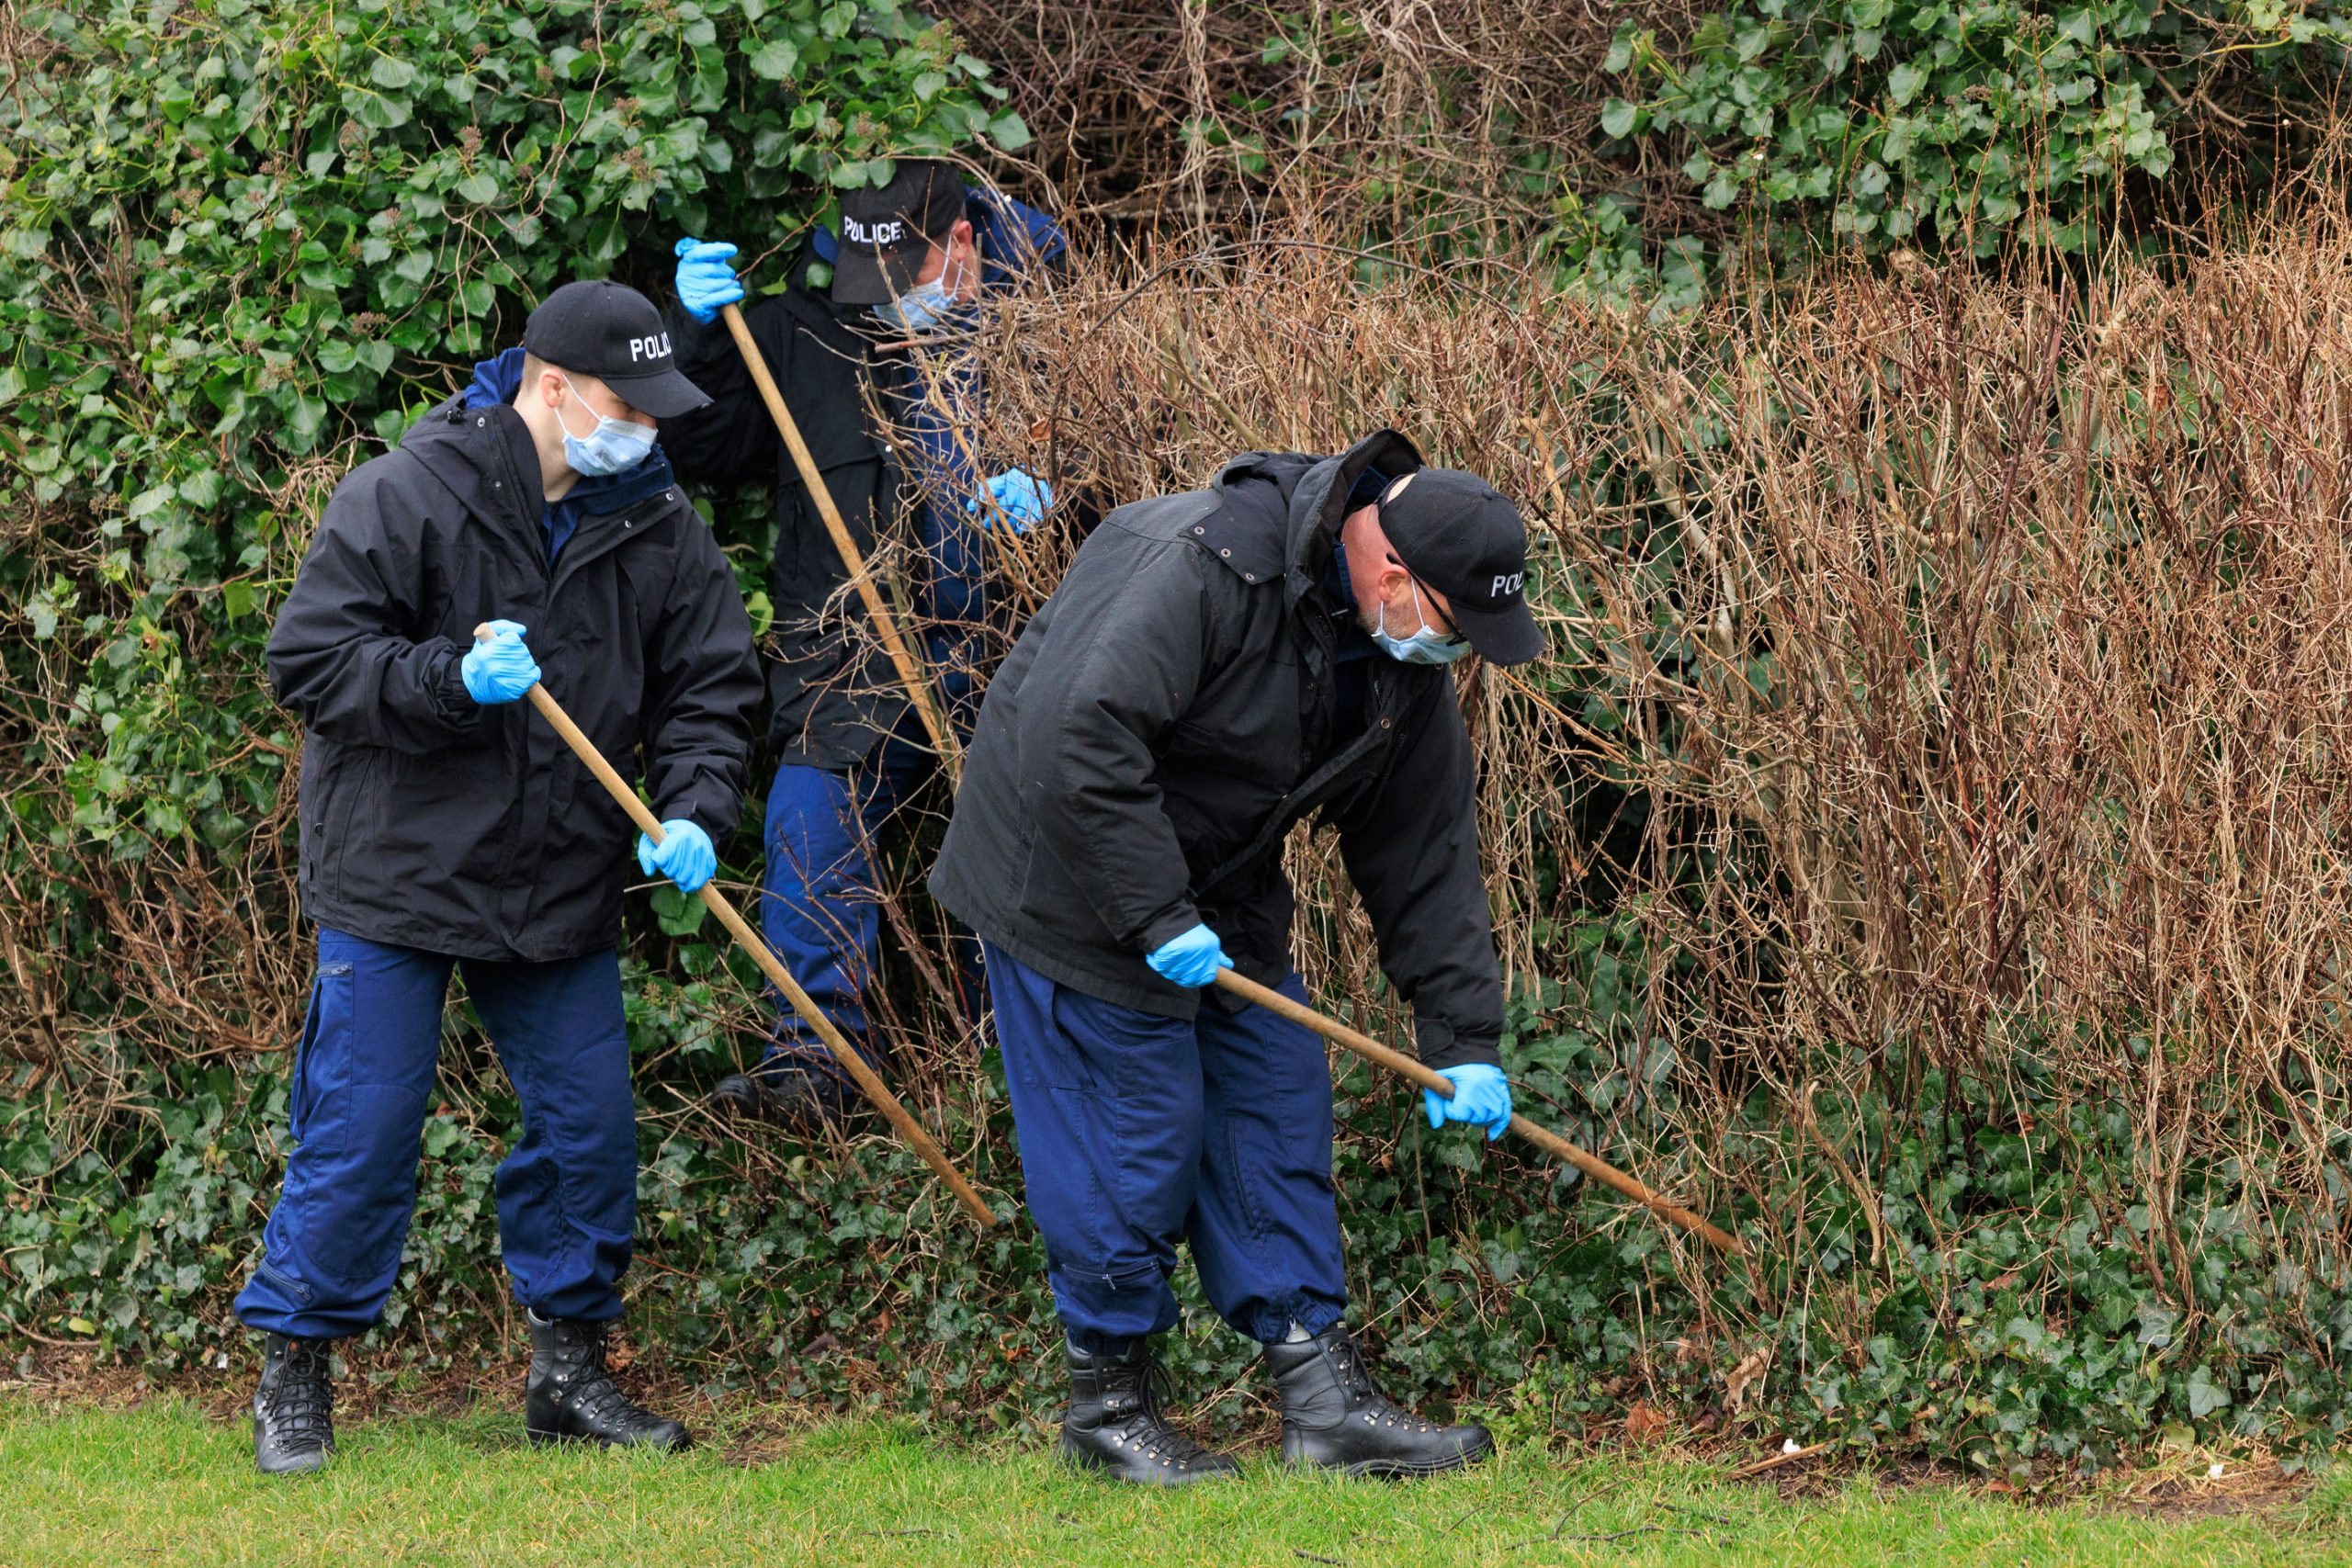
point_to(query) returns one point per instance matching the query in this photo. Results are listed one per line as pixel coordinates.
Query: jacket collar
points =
(1281, 510)
(478, 470)
(1319, 503)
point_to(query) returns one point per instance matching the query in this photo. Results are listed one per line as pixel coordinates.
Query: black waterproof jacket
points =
(433, 821)
(1167, 717)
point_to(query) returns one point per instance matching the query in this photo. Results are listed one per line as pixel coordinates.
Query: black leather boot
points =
(1115, 1426)
(806, 1101)
(570, 1397)
(294, 1407)
(1334, 1419)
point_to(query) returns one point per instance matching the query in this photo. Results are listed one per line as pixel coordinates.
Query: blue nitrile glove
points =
(499, 669)
(705, 280)
(1191, 959)
(1481, 1094)
(683, 855)
(1022, 496)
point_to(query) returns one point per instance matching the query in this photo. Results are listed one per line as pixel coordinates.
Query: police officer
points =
(1214, 668)
(914, 260)
(444, 827)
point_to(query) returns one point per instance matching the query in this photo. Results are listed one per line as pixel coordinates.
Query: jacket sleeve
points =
(702, 685)
(339, 654)
(735, 437)
(1410, 841)
(1130, 647)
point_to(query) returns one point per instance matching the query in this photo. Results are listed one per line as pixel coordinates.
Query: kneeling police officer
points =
(1214, 668)
(445, 828)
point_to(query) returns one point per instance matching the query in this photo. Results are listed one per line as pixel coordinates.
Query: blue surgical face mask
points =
(1426, 645)
(614, 446)
(925, 306)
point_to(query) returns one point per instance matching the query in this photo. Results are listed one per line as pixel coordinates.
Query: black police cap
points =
(1457, 535)
(611, 332)
(888, 230)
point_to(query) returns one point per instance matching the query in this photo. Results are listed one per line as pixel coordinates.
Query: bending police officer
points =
(444, 828)
(912, 261)
(1215, 668)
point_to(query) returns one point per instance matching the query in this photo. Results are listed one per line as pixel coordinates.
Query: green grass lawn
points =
(166, 1483)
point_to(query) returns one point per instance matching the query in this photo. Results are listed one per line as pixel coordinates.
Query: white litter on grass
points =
(2213, 1471)
(1790, 1445)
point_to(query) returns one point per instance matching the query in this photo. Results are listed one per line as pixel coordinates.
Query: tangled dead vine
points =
(1950, 672)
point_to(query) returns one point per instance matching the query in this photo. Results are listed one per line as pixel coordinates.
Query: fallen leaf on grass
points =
(1741, 1377)
(1645, 1422)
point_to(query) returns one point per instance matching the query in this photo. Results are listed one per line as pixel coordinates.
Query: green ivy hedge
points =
(242, 242)
(241, 245)
(1947, 123)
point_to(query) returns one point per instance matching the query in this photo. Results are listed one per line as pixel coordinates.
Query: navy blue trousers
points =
(363, 1080)
(1137, 1131)
(821, 911)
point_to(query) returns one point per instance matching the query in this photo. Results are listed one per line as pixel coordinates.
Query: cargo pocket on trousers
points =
(329, 1018)
(295, 1290)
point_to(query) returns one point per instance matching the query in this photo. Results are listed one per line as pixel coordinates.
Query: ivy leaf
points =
(929, 85)
(676, 913)
(1617, 118)
(153, 499)
(775, 60)
(1009, 132)
(2205, 1395)
(392, 73)
(376, 111)
(478, 188)
(1903, 83)
(607, 239)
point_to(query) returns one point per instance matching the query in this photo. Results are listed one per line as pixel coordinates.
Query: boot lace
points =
(1354, 1376)
(597, 1398)
(301, 1400)
(1146, 1429)
(1366, 1404)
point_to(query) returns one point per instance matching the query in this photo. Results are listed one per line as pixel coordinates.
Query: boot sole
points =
(1102, 1470)
(539, 1440)
(1396, 1468)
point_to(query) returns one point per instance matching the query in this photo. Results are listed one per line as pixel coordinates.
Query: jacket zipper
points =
(1311, 792)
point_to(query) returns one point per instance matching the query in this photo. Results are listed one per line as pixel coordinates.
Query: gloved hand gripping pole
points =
(899, 1117)
(1405, 1066)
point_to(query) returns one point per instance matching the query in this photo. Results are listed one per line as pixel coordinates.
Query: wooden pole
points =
(910, 676)
(1405, 1066)
(750, 942)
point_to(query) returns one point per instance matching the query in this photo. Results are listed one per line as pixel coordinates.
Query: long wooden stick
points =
(750, 942)
(1396, 1062)
(911, 674)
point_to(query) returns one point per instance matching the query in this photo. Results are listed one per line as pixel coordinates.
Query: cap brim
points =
(664, 394)
(860, 279)
(1501, 637)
